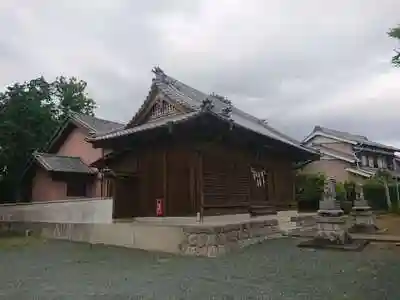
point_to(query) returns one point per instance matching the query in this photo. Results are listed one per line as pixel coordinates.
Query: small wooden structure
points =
(190, 152)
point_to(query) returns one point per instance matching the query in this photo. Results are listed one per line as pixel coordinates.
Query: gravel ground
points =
(274, 270)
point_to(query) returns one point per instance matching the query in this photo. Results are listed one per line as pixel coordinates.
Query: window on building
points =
(364, 161)
(76, 188)
(370, 161)
(382, 163)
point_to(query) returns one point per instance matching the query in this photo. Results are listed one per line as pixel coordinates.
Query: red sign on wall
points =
(159, 207)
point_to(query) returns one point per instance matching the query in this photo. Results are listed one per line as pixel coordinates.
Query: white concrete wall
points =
(93, 210)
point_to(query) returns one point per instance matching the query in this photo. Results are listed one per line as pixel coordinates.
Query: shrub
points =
(340, 192)
(374, 193)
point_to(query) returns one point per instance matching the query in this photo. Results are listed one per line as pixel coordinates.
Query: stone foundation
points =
(213, 241)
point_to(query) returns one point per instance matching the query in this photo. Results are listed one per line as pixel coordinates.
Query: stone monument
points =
(363, 218)
(331, 224)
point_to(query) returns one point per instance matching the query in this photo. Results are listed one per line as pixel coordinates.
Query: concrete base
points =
(332, 229)
(332, 234)
(181, 236)
(354, 245)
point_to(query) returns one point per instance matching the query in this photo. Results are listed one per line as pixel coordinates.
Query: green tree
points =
(309, 189)
(71, 95)
(395, 33)
(30, 112)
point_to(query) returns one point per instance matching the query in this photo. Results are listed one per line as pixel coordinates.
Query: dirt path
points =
(391, 222)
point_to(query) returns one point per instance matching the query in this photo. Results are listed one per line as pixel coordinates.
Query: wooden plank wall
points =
(228, 181)
(181, 182)
(224, 179)
(147, 168)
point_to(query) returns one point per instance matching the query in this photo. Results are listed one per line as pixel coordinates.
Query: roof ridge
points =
(94, 117)
(234, 107)
(349, 134)
(55, 155)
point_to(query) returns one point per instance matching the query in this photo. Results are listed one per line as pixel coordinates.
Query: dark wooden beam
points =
(200, 181)
(165, 179)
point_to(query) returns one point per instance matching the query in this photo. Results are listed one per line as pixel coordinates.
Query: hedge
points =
(375, 195)
(309, 189)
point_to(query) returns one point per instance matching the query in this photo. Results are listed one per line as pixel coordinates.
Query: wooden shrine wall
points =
(139, 182)
(186, 175)
(232, 177)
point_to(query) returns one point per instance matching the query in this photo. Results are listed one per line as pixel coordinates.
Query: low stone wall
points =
(196, 240)
(212, 241)
(86, 210)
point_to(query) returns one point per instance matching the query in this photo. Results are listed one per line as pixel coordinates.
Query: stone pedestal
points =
(363, 218)
(332, 229)
(331, 224)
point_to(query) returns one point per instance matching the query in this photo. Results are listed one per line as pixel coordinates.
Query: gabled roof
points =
(93, 124)
(194, 101)
(57, 163)
(346, 137)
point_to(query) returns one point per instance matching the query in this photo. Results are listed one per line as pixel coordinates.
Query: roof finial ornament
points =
(221, 98)
(159, 73)
(207, 104)
(227, 111)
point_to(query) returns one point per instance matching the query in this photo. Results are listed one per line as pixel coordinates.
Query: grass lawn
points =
(35, 269)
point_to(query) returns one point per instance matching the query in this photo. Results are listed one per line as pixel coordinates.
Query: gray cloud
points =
(297, 63)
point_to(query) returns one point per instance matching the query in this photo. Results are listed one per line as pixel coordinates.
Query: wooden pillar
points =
(249, 189)
(200, 183)
(102, 177)
(165, 180)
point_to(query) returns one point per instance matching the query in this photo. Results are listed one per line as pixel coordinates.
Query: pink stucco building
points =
(63, 171)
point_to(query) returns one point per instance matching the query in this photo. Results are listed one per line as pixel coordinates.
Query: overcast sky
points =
(295, 63)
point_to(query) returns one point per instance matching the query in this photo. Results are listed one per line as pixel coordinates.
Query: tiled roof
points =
(57, 163)
(95, 124)
(328, 150)
(360, 171)
(154, 124)
(352, 137)
(368, 172)
(193, 100)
